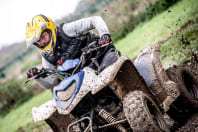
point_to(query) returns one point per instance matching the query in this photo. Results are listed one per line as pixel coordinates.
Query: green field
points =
(159, 28)
(181, 47)
(22, 116)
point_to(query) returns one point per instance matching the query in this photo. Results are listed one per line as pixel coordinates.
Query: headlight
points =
(67, 94)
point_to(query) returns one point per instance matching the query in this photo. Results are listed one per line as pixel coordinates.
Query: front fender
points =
(44, 111)
(150, 67)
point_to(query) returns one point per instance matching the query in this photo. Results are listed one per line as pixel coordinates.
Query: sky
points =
(14, 15)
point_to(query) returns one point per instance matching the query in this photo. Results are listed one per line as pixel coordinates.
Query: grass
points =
(14, 93)
(181, 47)
(159, 28)
(33, 127)
(22, 117)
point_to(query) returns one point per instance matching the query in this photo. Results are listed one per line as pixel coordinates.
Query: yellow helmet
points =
(36, 27)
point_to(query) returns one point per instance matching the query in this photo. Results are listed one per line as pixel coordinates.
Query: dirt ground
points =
(190, 126)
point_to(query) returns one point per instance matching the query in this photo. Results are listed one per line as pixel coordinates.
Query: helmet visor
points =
(44, 39)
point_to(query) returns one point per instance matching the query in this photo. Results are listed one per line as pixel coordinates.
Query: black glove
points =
(104, 39)
(32, 72)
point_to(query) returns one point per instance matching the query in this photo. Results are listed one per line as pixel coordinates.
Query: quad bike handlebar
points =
(47, 71)
(93, 47)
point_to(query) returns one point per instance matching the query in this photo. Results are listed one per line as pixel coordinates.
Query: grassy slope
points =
(148, 33)
(159, 28)
(22, 116)
(181, 47)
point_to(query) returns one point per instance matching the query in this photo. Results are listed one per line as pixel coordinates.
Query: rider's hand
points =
(104, 39)
(32, 72)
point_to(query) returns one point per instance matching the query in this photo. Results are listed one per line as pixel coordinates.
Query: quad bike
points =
(114, 99)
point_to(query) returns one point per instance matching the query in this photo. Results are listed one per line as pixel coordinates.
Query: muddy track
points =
(190, 126)
(181, 30)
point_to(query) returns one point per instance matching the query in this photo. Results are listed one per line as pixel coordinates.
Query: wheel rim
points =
(155, 114)
(190, 85)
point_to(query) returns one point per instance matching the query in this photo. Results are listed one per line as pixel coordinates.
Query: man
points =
(59, 43)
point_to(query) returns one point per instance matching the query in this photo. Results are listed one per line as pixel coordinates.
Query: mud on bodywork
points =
(128, 79)
(121, 77)
(44, 111)
(122, 73)
(149, 66)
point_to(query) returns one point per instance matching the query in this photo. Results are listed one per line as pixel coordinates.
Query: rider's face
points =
(44, 39)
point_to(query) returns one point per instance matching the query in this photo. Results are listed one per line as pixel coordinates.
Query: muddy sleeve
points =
(49, 81)
(82, 26)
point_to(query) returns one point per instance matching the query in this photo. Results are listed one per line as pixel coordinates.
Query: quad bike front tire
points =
(143, 114)
(58, 122)
(187, 102)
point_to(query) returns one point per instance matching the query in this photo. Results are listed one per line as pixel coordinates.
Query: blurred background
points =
(134, 25)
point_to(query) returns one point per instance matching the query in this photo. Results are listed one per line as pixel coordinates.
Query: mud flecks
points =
(190, 126)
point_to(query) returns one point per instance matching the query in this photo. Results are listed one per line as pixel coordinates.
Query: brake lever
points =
(32, 78)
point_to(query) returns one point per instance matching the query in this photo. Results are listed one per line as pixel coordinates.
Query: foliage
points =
(12, 94)
(159, 28)
(2, 75)
(154, 9)
(133, 21)
(182, 47)
(86, 7)
(22, 116)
